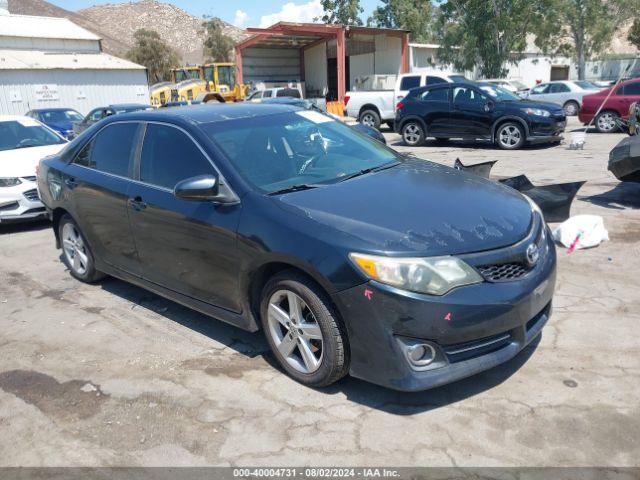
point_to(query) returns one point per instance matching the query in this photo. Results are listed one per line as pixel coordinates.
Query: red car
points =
(616, 107)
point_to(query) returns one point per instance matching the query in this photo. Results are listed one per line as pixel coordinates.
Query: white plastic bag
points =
(581, 231)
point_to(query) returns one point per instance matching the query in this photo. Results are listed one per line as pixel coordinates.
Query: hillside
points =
(182, 31)
(116, 23)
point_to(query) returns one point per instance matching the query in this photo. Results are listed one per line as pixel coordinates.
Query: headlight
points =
(536, 111)
(9, 182)
(534, 206)
(432, 275)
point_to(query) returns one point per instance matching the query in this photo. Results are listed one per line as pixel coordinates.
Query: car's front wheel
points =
(510, 136)
(76, 254)
(607, 122)
(413, 134)
(303, 330)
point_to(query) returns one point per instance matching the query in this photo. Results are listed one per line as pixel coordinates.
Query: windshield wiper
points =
(367, 170)
(294, 188)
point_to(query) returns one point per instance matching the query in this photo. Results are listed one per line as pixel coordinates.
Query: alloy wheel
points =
(411, 134)
(74, 249)
(570, 109)
(295, 332)
(510, 136)
(368, 120)
(606, 122)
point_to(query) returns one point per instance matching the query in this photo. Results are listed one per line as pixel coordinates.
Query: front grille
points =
(503, 272)
(30, 178)
(465, 351)
(9, 206)
(32, 195)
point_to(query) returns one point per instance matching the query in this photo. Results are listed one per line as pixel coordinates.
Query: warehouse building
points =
(327, 60)
(52, 62)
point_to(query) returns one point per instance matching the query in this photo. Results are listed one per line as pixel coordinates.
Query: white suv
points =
(23, 143)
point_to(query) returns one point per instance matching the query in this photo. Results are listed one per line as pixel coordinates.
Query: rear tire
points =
(571, 108)
(510, 136)
(413, 133)
(606, 122)
(308, 340)
(370, 118)
(76, 254)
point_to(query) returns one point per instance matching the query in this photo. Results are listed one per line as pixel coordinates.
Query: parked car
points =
(376, 107)
(59, 119)
(479, 111)
(566, 93)
(309, 105)
(614, 109)
(23, 142)
(99, 113)
(258, 95)
(514, 86)
(279, 218)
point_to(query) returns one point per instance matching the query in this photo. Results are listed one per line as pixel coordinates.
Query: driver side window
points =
(465, 96)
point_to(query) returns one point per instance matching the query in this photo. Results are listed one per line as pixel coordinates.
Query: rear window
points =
(407, 83)
(434, 80)
(435, 95)
(288, 92)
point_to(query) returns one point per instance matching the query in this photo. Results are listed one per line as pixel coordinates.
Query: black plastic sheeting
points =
(554, 200)
(624, 160)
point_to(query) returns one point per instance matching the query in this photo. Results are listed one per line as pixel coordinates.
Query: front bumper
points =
(547, 129)
(20, 203)
(474, 328)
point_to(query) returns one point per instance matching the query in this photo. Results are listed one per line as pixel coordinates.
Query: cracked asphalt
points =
(112, 375)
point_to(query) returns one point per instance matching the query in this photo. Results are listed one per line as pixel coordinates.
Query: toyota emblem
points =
(533, 253)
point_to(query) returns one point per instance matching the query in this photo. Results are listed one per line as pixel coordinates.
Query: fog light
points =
(421, 354)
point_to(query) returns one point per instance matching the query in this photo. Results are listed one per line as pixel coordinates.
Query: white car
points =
(566, 93)
(23, 143)
(277, 92)
(374, 107)
(514, 86)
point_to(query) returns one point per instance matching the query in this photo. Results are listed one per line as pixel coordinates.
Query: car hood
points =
(417, 208)
(528, 103)
(22, 162)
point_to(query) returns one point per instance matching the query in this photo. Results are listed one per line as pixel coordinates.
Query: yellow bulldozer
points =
(195, 82)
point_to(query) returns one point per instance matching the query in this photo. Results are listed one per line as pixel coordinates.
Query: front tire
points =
(413, 133)
(510, 136)
(303, 330)
(370, 118)
(606, 122)
(76, 254)
(571, 108)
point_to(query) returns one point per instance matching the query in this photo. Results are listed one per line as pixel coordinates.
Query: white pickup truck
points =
(374, 107)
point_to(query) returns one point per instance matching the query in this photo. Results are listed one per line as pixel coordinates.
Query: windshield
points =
(498, 93)
(275, 152)
(26, 133)
(227, 76)
(586, 85)
(60, 116)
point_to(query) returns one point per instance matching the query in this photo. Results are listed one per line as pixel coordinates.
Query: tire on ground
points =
(413, 133)
(90, 275)
(370, 117)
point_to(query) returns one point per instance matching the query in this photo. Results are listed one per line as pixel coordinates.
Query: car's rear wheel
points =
(370, 118)
(571, 108)
(413, 133)
(303, 331)
(510, 136)
(607, 122)
(76, 254)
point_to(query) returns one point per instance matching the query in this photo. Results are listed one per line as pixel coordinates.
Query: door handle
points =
(71, 183)
(137, 204)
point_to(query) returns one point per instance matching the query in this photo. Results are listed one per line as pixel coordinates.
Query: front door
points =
(98, 180)
(185, 246)
(471, 113)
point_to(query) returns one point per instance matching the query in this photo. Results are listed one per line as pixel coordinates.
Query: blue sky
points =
(248, 13)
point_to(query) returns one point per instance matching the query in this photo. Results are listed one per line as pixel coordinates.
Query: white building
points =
(52, 62)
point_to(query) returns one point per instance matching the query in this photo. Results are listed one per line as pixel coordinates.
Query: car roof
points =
(13, 118)
(209, 113)
(127, 105)
(52, 109)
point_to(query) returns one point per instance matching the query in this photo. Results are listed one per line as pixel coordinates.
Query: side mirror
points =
(201, 188)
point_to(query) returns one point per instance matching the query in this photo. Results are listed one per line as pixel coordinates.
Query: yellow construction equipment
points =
(189, 83)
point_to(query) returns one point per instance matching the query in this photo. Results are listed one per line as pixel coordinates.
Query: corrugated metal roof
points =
(42, 27)
(41, 60)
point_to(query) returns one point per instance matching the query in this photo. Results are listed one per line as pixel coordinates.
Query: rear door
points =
(98, 181)
(624, 97)
(434, 107)
(183, 245)
(557, 93)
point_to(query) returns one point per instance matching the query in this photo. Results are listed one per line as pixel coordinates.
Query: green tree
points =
(634, 33)
(487, 34)
(217, 46)
(582, 28)
(417, 16)
(344, 12)
(149, 50)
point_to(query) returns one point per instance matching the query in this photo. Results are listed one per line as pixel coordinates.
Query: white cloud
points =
(290, 12)
(240, 19)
